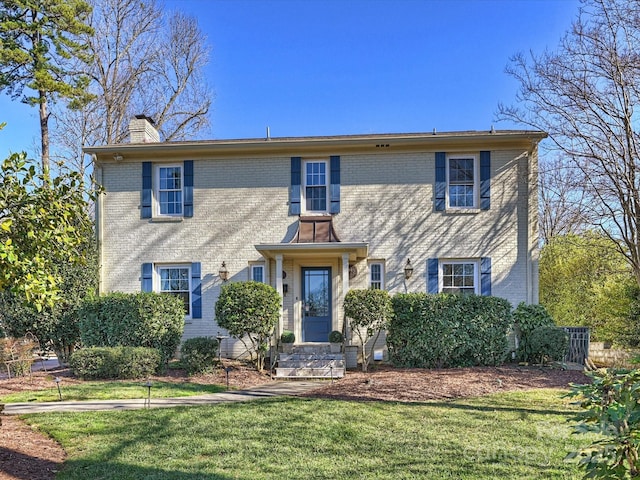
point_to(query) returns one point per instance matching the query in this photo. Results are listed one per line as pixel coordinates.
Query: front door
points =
(316, 304)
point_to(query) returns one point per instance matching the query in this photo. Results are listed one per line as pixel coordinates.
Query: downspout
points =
(99, 219)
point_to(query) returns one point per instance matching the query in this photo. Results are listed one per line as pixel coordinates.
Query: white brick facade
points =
(241, 199)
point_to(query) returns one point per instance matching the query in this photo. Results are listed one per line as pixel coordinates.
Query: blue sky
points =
(332, 67)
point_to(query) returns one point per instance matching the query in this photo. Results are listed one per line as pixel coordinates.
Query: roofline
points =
(323, 144)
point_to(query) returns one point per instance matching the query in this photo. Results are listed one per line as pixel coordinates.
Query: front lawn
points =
(522, 435)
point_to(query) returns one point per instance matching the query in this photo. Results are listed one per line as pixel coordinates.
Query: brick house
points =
(316, 216)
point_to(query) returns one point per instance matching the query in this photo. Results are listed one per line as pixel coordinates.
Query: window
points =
(459, 277)
(169, 190)
(257, 273)
(376, 276)
(175, 280)
(462, 182)
(315, 186)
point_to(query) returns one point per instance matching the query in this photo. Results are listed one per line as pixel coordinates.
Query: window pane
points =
(175, 281)
(461, 170)
(461, 195)
(170, 190)
(458, 278)
(316, 198)
(257, 273)
(375, 272)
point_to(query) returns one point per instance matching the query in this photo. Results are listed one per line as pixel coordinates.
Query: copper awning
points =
(315, 229)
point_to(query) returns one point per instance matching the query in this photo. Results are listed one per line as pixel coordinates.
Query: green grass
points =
(523, 435)
(112, 391)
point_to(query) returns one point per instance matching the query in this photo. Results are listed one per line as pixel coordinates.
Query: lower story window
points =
(257, 273)
(175, 280)
(376, 276)
(459, 277)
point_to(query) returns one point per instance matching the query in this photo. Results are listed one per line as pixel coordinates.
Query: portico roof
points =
(356, 250)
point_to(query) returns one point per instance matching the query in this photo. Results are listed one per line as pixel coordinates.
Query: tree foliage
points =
(147, 62)
(369, 312)
(585, 93)
(39, 44)
(43, 225)
(249, 311)
(585, 281)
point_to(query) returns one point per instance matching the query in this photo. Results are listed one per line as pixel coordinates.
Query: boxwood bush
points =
(529, 318)
(133, 319)
(438, 331)
(198, 355)
(115, 362)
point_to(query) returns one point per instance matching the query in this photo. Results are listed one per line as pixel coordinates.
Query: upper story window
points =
(462, 182)
(315, 186)
(459, 277)
(257, 273)
(169, 189)
(376, 276)
(175, 280)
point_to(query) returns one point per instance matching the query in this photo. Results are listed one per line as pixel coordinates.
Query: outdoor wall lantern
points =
(408, 270)
(223, 272)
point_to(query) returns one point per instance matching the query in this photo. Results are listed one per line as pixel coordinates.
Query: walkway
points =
(268, 390)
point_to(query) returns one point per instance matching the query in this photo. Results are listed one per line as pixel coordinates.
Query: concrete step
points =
(316, 363)
(323, 372)
(301, 357)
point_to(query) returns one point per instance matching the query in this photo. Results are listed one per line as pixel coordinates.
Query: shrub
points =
(115, 362)
(611, 410)
(547, 344)
(249, 311)
(336, 337)
(18, 353)
(138, 320)
(448, 330)
(198, 355)
(528, 318)
(287, 336)
(369, 312)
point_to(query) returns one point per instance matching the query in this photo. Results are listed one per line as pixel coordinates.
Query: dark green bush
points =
(528, 318)
(115, 362)
(547, 344)
(437, 331)
(287, 337)
(335, 337)
(138, 320)
(198, 355)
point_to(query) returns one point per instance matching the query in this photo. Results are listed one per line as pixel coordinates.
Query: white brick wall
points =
(386, 200)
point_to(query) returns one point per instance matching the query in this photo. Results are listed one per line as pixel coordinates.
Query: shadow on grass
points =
(80, 470)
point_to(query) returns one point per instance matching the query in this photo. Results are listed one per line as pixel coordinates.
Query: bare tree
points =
(585, 94)
(561, 199)
(145, 62)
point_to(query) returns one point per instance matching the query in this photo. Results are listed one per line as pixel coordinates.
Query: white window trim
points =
(476, 271)
(156, 280)
(156, 190)
(382, 273)
(259, 265)
(327, 182)
(476, 181)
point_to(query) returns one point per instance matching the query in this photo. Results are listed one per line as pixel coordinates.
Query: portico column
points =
(280, 292)
(345, 289)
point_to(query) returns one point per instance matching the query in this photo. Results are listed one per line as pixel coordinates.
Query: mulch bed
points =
(27, 454)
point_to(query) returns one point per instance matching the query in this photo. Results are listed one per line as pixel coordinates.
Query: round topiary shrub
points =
(198, 355)
(336, 337)
(546, 344)
(287, 336)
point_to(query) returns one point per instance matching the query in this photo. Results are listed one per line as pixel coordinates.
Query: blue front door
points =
(316, 304)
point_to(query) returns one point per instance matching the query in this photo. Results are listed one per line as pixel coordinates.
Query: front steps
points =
(307, 361)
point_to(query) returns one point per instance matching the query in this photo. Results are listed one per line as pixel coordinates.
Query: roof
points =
(447, 141)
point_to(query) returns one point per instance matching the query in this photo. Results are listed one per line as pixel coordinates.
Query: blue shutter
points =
(196, 290)
(432, 275)
(485, 276)
(335, 185)
(188, 188)
(145, 211)
(485, 180)
(441, 181)
(296, 181)
(147, 277)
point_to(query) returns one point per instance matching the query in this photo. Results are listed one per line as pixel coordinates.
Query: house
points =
(317, 216)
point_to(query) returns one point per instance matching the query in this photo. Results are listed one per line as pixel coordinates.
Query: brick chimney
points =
(142, 130)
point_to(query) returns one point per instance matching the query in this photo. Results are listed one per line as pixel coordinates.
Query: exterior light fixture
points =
(408, 270)
(147, 401)
(58, 380)
(223, 272)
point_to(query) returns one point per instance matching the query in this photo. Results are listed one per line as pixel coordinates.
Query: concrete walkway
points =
(268, 390)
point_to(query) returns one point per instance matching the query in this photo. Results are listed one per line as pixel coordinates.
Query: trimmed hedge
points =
(115, 362)
(198, 355)
(547, 344)
(529, 318)
(133, 319)
(439, 331)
